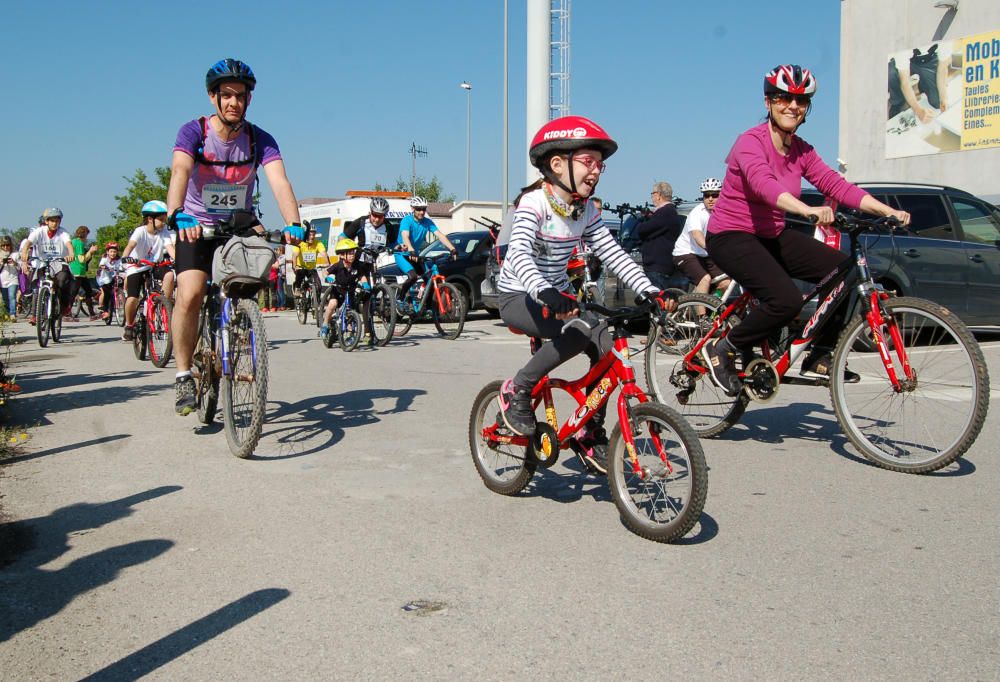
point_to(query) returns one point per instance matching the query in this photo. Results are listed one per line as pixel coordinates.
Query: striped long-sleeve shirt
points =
(542, 242)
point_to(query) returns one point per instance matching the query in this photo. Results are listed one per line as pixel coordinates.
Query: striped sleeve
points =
(520, 259)
(600, 241)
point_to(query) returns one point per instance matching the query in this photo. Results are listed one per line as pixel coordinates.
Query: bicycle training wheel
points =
(504, 468)
(350, 331)
(43, 302)
(160, 341)
(661, 494)
(382, 314)
(448, 312)
(705, 406)
(937, 415)
(244, 387)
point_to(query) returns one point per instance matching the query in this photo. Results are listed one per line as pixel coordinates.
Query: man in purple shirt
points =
(213, 173)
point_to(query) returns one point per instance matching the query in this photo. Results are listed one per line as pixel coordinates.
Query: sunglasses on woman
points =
(786, 98)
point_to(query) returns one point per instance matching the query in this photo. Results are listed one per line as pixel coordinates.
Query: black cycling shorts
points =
(195, 255)
(134, 281)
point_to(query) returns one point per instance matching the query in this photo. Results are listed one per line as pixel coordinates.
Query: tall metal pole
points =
(539, 44)
(506, 130)
(468, 137)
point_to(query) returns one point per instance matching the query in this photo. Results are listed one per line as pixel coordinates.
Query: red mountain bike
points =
(152, 319)
(656, 467)
(923, 392)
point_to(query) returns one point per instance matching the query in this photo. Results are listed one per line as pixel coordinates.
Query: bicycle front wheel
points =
(140, 335)
(504, 468)
(936, 415)
(350, 331)
(448, 310)
(382, 314)
(302, 308)
(160, 341)
(120, 306)
(244, 386)
(660, 493)
(705, 406)
(43, 304)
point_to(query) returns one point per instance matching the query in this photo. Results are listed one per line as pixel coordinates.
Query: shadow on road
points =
(29, 594)
(568, 487)
(176, 644)
(33, 407)
(314, 424)
(33, 382)
(67, 448)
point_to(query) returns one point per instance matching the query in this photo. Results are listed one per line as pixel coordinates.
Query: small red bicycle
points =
(152, 337)
(656, 466)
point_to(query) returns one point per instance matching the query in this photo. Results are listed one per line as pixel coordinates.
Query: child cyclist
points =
(343, 276)
(551, 219)
(107, 271)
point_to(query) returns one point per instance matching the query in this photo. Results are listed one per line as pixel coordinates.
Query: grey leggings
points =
(525, 314)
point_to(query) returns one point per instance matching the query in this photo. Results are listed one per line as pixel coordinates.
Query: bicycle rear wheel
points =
(56, 321)
(504, 468)
(244, 387)
(938, 414)
(382, 314)
(449, 312)
(206, 379)
(43, 302)
(140, 334)
(160, 341)
(664, 498)
(350, 330)
(705, 406)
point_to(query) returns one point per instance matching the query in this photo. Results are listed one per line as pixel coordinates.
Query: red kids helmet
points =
(568, 134)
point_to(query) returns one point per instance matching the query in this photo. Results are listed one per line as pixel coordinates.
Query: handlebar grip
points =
(813, 219)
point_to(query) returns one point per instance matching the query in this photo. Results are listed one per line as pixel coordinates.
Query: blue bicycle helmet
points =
(229, 70)
(154, 207)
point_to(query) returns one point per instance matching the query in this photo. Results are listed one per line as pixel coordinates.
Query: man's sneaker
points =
(595, 448)
(184, 392)
(324, 330)
(515, 409)
(722, 367)
(129, 333)
(818, 364)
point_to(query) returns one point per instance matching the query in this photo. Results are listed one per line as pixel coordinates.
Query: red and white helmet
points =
(568, 134)
(790, 78)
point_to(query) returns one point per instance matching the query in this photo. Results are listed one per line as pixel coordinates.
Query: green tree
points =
(139, 188)
(432, 190)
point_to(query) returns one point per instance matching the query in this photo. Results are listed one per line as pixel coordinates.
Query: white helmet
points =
(418, 202)
(710, 185)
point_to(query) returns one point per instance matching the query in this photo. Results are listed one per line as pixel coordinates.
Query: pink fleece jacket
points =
(756, 174)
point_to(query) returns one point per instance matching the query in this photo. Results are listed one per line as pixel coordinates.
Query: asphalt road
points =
(151, 550)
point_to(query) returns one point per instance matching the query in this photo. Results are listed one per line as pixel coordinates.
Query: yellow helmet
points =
(346, 244)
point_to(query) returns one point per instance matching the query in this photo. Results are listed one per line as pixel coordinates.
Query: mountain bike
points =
(346, 326)
(923, 392)
(118, 291)
(230, 357)
(151, 339)
(433, 297)
(307, 300)
(378, 309)
(656, 466)
(48, 309)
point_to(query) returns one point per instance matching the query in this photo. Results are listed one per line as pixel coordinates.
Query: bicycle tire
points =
(120, 305)
(206, 381)
(77, 306)
(705, 406)
(331, 335)
(161, 343)
(501, 469)
(381, 311)
(946, 406)
(317, 311)
(140, 342)
(43, 301)
(301, 309)
(350, 331)
(56, 323)
(244, 388)
(449, 317)
(646, 505)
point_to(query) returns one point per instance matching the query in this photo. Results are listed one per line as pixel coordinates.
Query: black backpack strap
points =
(199, 154)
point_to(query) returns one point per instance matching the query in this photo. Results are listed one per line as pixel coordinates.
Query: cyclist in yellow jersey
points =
(308, 254)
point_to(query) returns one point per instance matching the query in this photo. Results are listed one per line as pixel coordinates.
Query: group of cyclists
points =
(214, 171)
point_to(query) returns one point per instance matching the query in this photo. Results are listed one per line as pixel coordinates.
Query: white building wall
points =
(869, 31)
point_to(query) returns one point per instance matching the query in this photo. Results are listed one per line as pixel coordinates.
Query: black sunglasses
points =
(710, 195)
(787, 98)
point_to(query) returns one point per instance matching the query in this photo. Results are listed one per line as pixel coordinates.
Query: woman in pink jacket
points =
(746, 235)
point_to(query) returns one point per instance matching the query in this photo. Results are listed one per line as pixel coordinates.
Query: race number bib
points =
(375, 238)
(51, 250)
(308, 256)
(224, 198)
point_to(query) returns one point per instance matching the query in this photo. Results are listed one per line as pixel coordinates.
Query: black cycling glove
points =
(557, 302)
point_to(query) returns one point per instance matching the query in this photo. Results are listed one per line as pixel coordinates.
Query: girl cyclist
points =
(551, 219)
(746, 231)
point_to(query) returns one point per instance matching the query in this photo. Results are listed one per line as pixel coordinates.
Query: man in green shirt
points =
(81, 259)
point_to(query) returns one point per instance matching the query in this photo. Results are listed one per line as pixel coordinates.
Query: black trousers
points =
(765, 268)
(83, 282)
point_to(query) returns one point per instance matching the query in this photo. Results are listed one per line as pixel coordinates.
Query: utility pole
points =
(415, 151)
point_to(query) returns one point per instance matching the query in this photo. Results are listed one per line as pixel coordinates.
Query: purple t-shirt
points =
(756, 175)
(213, 192)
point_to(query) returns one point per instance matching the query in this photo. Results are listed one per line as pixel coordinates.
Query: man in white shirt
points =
(690, 256)
(48, 242)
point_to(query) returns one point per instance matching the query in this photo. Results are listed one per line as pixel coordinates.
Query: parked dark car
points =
(949, 255)
(466, 273)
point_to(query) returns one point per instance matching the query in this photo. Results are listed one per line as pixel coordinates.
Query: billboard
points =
(944, 97)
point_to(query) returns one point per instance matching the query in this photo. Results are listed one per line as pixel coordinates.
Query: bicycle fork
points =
(875, 323)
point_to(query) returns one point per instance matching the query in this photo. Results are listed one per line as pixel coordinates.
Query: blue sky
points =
(94, 90)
